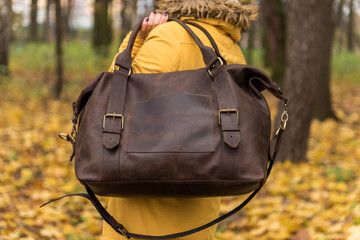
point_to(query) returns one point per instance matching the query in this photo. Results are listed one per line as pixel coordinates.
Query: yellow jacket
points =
(170, 48)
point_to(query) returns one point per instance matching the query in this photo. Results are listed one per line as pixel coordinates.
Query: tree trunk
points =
(250, 45)
(265, 47)
(339, 23)
(323, 108)
(303, 70)
(33, 28)
(59, 54)
(5, 35)
(102, 27)
(339, 13)
(274, 27)
(128, 11)
(46, 32)
(66, 19)
(350, 33)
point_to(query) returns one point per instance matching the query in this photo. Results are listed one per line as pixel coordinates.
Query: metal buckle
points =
(221, 63)
(118, 67)
(123, 231)
(228, 111)
(114, 115)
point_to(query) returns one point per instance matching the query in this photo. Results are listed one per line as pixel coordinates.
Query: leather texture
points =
(195, 133)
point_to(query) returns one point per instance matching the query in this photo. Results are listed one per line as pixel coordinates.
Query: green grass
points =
(32, 68)
(79, 57)
(346, 67)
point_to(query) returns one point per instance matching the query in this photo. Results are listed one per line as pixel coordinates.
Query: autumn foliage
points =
(314, 200)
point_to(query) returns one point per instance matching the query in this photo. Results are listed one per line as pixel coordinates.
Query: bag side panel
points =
(89, 146)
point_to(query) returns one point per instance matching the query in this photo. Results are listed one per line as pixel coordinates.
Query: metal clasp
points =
(114, 115)
(118, 67)
(284, 119)
(70, 138)
(228, 111)
(221, 63)
(123, 231)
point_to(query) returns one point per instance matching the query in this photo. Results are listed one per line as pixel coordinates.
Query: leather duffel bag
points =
(195, 133)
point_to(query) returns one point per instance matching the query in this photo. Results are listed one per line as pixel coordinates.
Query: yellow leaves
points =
(51, 232)
(227, 235)
(28, 213)
(314, 200)
(35, 169)
(353, 233)
(57, 172)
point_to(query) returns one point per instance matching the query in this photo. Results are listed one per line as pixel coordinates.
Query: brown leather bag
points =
(196, 133)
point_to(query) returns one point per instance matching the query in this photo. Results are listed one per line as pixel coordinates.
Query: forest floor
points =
(314, 200)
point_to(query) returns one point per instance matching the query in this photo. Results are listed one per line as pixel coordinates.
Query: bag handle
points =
(124, 60)
(208, 35)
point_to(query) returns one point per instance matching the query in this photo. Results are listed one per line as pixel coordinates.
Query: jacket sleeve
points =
(159, 52)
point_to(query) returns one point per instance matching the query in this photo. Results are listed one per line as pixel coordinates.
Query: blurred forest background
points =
(50, 49)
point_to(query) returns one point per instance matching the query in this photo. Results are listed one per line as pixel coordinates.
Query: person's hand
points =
(150, 22)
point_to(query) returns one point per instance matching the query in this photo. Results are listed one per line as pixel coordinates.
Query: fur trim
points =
(231, 11)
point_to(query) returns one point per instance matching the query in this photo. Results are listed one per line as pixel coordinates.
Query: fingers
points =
(155, 19)
(151, 22)
(144, 24)
(164, 18)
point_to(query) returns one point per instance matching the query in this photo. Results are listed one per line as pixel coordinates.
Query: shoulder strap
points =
(119, 228)
(208, 35)
(123, 60)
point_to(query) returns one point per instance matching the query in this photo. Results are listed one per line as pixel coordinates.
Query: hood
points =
(230, 11)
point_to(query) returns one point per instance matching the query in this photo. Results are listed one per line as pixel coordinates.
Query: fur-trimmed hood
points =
(231, 11)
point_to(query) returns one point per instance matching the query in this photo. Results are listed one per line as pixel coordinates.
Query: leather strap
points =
(113, 123)
(119, 228)
(213, 43)
(124, 59)
(228, 114)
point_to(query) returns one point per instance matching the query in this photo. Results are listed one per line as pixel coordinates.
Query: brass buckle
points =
(114, 115)
(228, 111)
(221, 63)
(123, 231)
(118, 67)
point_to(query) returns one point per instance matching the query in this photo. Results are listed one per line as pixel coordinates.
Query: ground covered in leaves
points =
(314, 200)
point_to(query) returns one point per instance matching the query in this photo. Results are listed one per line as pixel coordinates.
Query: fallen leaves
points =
(318, 199)
(314, 200)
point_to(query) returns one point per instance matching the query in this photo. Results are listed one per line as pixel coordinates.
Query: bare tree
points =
(102, 26)
(66, 15)
(5, 35)
(339, 22)
(128, 11)
(33, 28)
(304, 64)
(59, 55)
(250, 44)
(339, 13)
(273, 15)
(46, 32)
(323, 107)
(350, 30)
